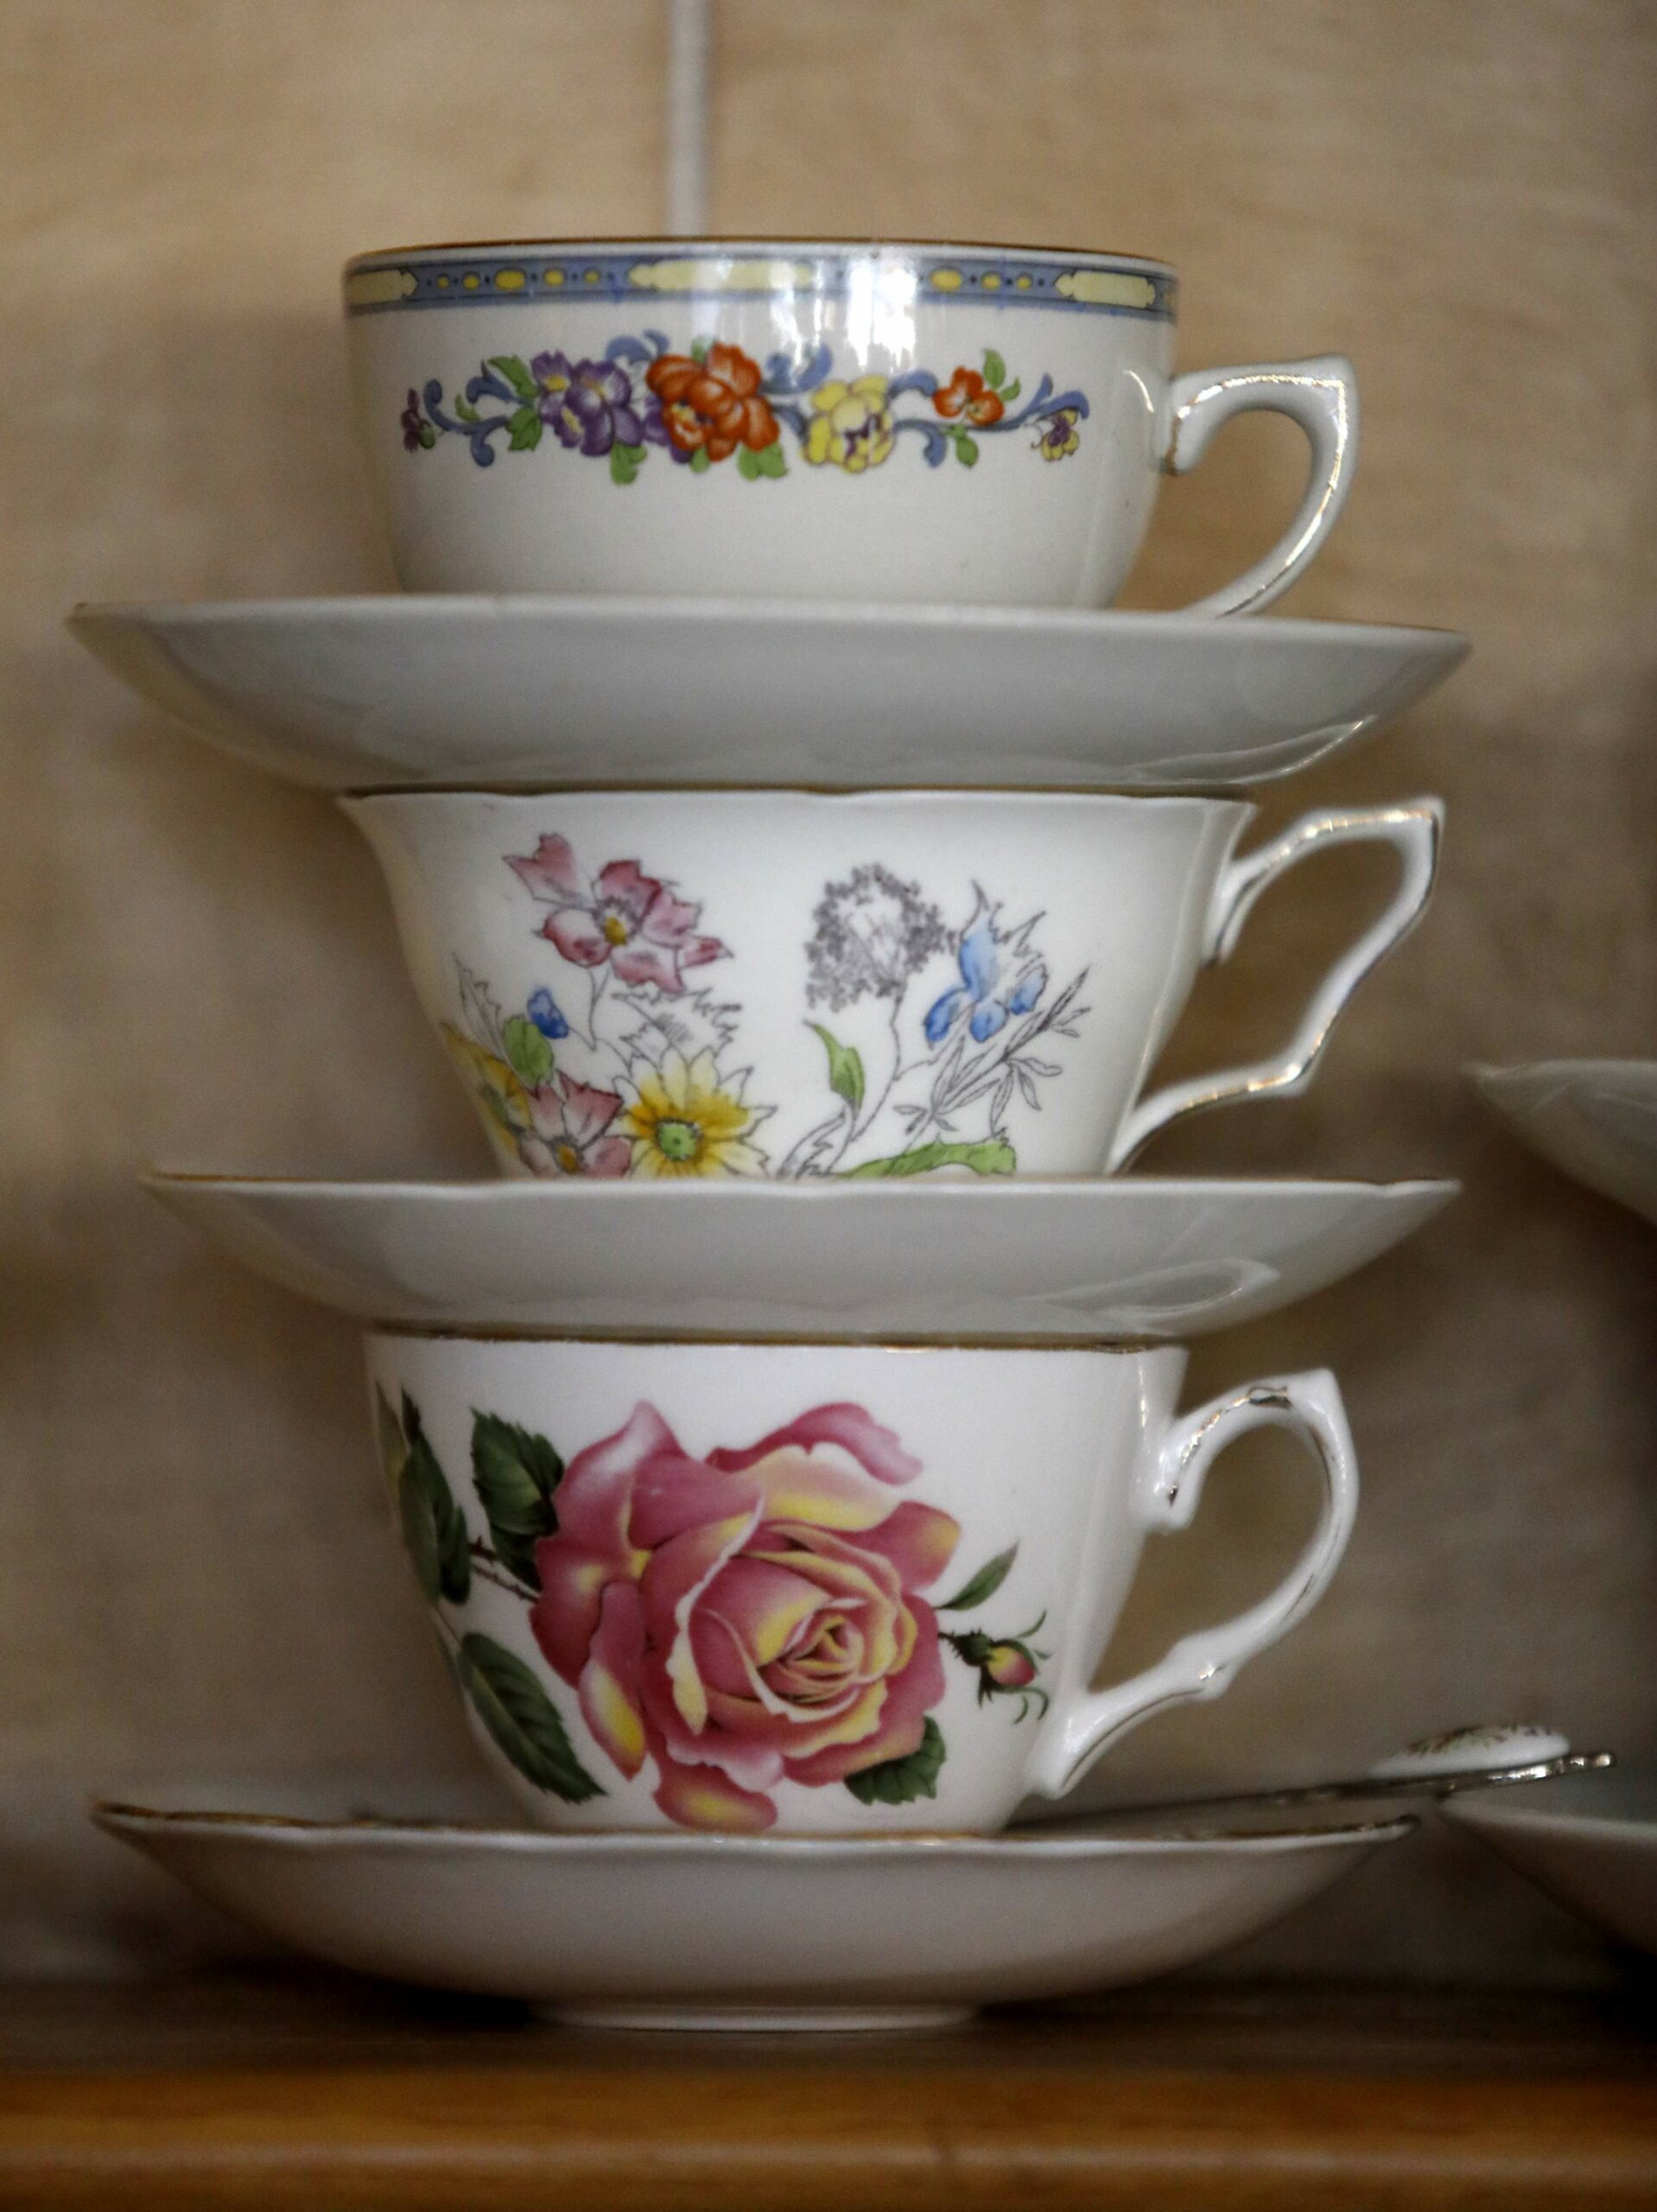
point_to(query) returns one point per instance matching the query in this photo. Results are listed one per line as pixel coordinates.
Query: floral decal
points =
(711, 403)
(623, 916)
(684, 1122)
(949, 1065)
(589, 404)
(748, 1619)
(621, 1065)
(967, 393)
(1059, 435)
(653, 1094)
(715, 401)
(852, 424)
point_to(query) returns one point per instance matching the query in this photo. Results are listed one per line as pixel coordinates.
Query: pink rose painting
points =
(740, 1620)
(748, 1619)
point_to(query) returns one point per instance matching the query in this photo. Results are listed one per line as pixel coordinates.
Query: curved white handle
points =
(1413, 829)
(1322, 395)
(1203, 1665)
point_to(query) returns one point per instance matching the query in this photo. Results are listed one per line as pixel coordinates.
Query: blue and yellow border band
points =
(388, 283)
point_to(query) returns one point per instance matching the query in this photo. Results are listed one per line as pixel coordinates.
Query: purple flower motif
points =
(1059, 435)
(588, 404)
(416, 430)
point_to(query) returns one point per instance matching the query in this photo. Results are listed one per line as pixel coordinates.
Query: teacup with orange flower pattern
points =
(863, 422)
(811, 1588)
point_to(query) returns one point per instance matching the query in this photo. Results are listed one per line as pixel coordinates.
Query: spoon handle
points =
(1366, 1786)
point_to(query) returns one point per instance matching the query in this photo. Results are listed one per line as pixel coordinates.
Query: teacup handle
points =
(1203, 1665)
(1322, 395)
(1414, 830)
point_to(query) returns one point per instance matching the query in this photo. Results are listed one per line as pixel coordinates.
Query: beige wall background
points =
(195, 1578)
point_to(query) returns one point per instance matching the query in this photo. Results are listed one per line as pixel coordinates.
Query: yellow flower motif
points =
(851, 425)
(682, 1123)
(502, 1094)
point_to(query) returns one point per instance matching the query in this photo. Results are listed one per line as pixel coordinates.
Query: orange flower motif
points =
(713, 406)
(968, 394)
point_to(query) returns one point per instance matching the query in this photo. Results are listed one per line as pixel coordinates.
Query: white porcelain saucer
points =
(1588, 1839)
(681, 1931)
(356, 694)
(1072, 1260)
(1597, 1119)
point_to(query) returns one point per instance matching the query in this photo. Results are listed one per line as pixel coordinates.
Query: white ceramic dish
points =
(687, 985)
(361, 694)
(677, 1931)
(1590, 1840)
(1070, 1262)
(815, 1589)
(972, 424)
(1596, 1119)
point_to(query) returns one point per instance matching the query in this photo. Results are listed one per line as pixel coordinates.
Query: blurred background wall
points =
(199, 967)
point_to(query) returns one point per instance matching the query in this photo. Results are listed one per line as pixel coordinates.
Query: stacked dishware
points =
(804, 880)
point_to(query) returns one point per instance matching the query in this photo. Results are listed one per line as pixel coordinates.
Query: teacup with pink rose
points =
(817, 1588)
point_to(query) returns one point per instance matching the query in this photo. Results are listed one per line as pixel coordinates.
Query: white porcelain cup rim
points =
(749, 242)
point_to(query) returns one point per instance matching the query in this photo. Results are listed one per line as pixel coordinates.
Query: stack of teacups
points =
(833, 1568)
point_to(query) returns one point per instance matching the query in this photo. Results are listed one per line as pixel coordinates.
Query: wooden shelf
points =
(293, 2090)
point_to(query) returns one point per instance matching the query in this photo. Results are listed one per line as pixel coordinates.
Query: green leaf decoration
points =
(966, 450)
(513, 371)
(900, 1782)
(1010, 392)
(769, 461)
(699, 349)
(388, 1434)
(465, 410)
(434, 1527)
(995, 369)
(748, 464)
(515, 1474)
(699, 464)
(528, 1051)
(993, 1156)
(493, 1103)
(427, 437)
(523, 1719)
(623, 463)
(845, 1067)
(985, 1584)
(525, 427)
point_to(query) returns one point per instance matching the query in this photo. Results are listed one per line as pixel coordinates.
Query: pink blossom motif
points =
(748, 1618)
(566, 1134)
(1010, 1667)
(623, 916)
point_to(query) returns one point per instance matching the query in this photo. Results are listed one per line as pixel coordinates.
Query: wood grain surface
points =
(234, 2094)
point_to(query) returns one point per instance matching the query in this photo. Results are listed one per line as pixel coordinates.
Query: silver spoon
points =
(1486, 1757)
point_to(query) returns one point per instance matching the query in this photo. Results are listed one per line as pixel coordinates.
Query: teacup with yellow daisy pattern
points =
(703, 984)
